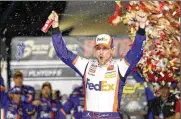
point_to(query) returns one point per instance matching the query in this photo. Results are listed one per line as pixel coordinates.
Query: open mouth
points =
(101, 58)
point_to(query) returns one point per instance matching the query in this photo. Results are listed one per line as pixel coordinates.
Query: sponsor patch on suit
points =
(92, 70)
(110, 74)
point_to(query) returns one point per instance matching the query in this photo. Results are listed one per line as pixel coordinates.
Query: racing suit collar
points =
(105, 65)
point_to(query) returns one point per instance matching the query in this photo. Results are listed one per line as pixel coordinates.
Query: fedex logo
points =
(101, 39)
(101, 86)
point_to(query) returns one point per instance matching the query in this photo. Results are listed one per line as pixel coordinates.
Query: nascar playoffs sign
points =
(36, 56)
(41, 48)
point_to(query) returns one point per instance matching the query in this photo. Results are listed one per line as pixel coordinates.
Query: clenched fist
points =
(141, 17)
(54, 16)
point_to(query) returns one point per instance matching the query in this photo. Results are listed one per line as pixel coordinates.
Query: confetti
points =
(161, 60)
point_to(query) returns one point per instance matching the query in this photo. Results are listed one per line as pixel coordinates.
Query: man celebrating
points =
(104, 77)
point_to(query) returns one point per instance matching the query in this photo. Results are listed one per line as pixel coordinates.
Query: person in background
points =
(57, 95)
(46, 107)
(163, 107)
(12, 103)
(28, 92)
(75, 103)
(64, 98)
(177, 108)
(57, 100)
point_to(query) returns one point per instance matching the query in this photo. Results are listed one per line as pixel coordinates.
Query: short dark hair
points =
(164, 86)
(57, 93)
(46, 84)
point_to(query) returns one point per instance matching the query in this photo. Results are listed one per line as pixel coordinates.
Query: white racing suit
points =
(102, 84)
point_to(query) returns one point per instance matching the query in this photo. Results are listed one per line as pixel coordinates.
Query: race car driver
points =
(104, 77)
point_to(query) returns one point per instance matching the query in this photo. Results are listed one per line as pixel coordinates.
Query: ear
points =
(112, 50)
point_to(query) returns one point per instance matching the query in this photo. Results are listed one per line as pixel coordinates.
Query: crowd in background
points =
(160, 62)
(20, 103)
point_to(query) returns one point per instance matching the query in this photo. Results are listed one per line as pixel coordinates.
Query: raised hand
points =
(141, 17)
(54, 16)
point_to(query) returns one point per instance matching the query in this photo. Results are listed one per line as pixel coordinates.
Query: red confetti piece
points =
(162, 36)
(123, 5)
(133, 7)
(154, 67)
(111, 20)
(134, 25)
(162, 4)
(128, 8)
(143, 7)
(117, 7)
(149, 61)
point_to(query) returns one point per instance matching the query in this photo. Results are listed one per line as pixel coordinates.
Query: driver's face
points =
(103, 54)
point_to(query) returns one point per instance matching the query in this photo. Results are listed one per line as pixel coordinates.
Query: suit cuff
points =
(141, 31)
(55, 30)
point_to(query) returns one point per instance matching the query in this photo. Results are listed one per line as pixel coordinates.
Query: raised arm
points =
(69, 104)
(135, 53)
(62, 52)
(73, 101)
(72, 60)
(66, 108)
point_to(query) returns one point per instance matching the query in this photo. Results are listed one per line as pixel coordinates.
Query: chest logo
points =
(101, 86)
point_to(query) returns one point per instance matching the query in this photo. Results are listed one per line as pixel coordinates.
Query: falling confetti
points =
(161, 57)
(5, 30)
